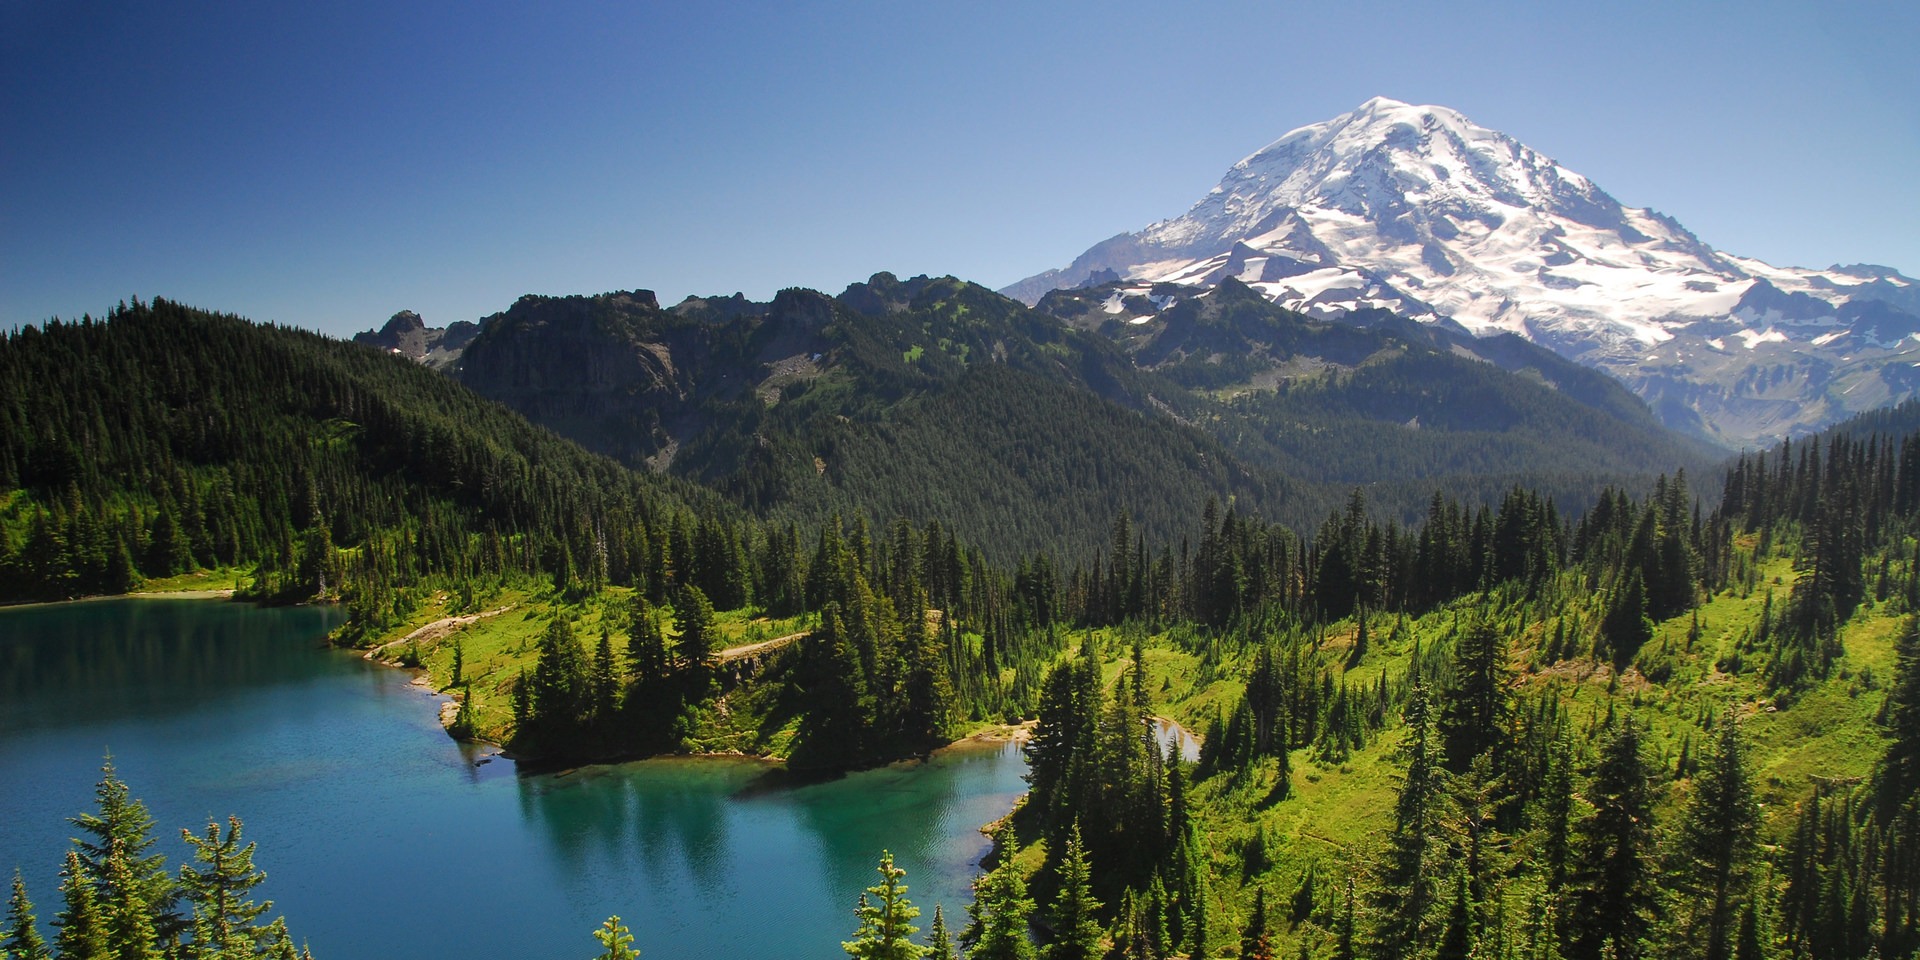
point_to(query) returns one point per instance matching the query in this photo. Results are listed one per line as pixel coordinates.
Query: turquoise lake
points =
(382, 838)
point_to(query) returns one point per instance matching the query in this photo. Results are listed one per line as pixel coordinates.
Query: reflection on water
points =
(382, 838)
(113, 660)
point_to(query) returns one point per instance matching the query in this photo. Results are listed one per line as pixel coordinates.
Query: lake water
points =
(383, 839)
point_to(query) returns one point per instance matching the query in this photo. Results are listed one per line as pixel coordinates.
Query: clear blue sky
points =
(325, 164)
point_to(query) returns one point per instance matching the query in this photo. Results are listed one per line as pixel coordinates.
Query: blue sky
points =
(325, 164)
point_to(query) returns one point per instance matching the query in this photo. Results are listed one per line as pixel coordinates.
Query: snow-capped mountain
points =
(1419, 211)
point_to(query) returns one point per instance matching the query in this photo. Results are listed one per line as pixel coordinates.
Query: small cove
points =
(382, 838)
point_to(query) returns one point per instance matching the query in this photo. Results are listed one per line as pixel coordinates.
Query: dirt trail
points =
(434, 631)
(748, 650)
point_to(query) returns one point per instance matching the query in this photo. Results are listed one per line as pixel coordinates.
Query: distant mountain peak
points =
(1418, 210)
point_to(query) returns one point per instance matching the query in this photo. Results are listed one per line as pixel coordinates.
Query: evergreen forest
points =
(1678, 715)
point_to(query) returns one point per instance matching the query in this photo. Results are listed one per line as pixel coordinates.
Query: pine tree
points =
(997, 918)
(1611, 894)
(886, 928)
(1716, 842)
(224, 919)
(22, 940)
(1076, 933)
(616, 941)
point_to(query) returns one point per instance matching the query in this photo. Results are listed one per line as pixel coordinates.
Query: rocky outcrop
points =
(409, 336)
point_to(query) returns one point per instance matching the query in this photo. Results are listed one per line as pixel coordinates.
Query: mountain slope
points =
(922, 398)
(1023, 428)
(1419, 211)
(165, 439)
(1402, 408)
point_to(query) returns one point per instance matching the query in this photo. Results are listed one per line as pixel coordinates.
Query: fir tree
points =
(128, 919)
(997, 918)
(22, 940)
(693, 619)
(1896, 779)
(1255, 943)
(603, 683)
(82, 923)
(1716, 843)
(1749, 943)
(1076, 933)
(939, 941)
(122, 823)
(558, 697)
(646, 643)
(1458, 936)
(1611, 894)
(1410, 874)
(1347, 935)
(1477, 706)
(616, 941)
(224, 919)
(886, 921)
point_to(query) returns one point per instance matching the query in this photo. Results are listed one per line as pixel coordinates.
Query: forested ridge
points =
(1022, 429)
(1645, 723)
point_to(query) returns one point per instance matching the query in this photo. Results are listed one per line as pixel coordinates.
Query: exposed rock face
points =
(634, 381)
(409, 336)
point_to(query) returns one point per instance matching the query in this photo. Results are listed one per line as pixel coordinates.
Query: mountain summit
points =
(1420, 211)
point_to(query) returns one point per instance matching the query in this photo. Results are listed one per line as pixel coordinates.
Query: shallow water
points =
(382, 838)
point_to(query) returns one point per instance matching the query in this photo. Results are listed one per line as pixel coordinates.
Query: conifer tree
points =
(997, 918)
(280, 944)
(886, 920)
(127, 918)
(603, 683)
(224, 919)
(1346, 943)
(1896, 779)
(22, 939)
(558, 696)
(1749, 943)
(82, 923)
(693, 618)
(1458, 936)
(1556, 814)
(939, 941)
(616, 942)
(1474, 715)
(1611, 894)
(646, 643)
(1411, 873)
(1076, 933)
(123, 823)
(1255, 942)
(1716, 842)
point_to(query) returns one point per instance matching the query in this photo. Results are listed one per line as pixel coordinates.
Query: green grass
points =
(227, 578)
